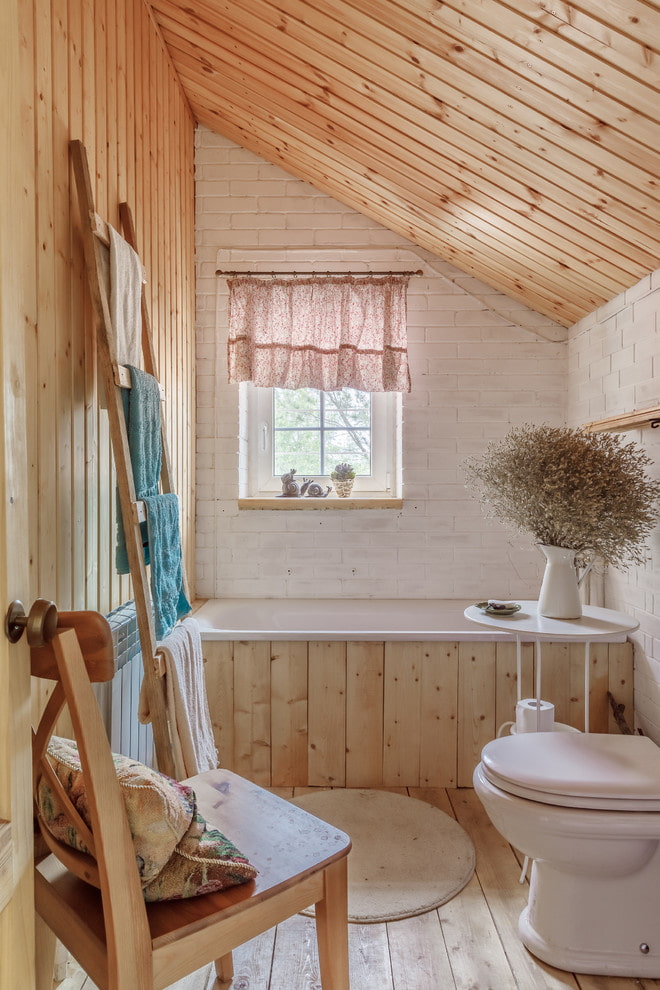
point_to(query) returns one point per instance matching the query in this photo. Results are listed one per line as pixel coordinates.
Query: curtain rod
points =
(228, 274)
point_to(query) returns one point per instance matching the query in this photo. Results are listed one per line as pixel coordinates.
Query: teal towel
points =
(142, 413)
(168, 597)
(161, 540)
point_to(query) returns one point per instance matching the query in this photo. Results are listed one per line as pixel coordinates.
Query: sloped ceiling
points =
(519, 140)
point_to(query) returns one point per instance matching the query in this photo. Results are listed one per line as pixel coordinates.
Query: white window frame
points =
(256, 426)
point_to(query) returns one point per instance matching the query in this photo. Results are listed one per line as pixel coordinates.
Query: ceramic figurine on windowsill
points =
(308, 488)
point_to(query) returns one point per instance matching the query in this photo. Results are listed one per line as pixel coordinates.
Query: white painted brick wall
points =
(480, 363)
(614, 367)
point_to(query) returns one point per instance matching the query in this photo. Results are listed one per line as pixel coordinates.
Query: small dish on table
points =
(493, 607)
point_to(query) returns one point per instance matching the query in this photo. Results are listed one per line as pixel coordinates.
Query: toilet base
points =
(596, 963)
(605, 926)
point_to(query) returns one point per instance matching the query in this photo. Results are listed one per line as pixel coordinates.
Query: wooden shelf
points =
(626, 421)
(297, 504)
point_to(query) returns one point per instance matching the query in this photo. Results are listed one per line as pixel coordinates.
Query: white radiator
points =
(126, 733)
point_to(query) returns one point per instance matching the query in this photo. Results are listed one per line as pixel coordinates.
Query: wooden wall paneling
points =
(88, 76)
(620, 660)
(105, 479)
(476, 709)
(119, 584)
(327, 713)
(125, 156)
(91, 397)
(158, 206)
(219, 679)
(77, 321)
(401, 713)
(288, 713)
(252, 711)
(46, 450)
(364, 714)
(61, 433)
(28, 63)
(30, 110)
(438, 716)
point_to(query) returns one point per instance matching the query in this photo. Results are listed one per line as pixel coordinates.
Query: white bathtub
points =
(341, 619)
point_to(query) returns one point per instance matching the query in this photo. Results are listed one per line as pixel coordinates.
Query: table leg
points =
(539, 658)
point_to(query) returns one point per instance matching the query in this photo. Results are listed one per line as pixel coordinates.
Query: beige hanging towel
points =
(193, 746)
(125, 299)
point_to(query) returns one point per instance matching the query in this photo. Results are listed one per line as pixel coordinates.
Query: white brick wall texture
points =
(614, 367)
(480, 363)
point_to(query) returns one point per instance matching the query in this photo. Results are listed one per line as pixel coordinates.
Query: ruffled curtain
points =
(327, 333)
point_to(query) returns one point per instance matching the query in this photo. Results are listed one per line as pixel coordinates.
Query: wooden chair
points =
(94, 905)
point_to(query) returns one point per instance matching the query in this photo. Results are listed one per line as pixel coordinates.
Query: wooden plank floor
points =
(470, 943)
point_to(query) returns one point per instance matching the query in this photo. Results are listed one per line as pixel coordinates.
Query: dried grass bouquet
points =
(585, 491)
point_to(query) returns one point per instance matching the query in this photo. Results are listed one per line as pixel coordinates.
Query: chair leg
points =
(45, 945)
(224, 970)
(332, 928)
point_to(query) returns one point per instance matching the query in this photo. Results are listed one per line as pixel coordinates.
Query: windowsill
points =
(355, 502)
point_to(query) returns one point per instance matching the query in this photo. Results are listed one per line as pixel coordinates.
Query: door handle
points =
(41, 622)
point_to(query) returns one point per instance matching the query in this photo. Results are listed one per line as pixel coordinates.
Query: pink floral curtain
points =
(319, 332)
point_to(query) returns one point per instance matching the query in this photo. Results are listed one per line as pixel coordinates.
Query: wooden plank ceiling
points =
(517, 139)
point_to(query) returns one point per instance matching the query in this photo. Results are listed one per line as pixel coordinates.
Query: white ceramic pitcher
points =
(559, 597)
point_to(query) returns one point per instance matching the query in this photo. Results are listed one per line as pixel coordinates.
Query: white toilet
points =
(586, 810)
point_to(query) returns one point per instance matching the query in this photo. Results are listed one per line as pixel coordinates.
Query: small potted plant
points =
(343, 477)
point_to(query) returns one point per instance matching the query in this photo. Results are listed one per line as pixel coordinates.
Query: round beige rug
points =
(407, 856)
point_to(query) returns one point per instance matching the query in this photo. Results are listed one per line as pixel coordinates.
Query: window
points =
(312, 431)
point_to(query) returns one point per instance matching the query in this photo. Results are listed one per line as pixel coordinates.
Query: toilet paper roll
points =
(534, 716)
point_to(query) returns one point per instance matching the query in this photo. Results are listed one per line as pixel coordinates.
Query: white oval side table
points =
(528, 625)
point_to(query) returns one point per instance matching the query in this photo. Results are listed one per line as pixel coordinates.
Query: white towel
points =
(193, 746)
(125, 299)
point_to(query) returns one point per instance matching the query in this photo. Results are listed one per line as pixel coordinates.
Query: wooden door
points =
(16, 897)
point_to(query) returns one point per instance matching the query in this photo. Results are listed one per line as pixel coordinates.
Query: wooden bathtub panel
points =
(288, 715)
(576, 678)
(555, 678)
(327, 713)
(438, 751)
(599, 708)
(402, 708)
(364, 714)
(506, 680)
(620, 682)
(476, 708)
(252, 711)
(394, 714)
(219, 674)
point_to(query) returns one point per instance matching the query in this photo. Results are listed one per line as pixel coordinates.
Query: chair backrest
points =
(111, 865)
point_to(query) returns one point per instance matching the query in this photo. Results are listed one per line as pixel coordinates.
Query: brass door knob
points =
(41, 622)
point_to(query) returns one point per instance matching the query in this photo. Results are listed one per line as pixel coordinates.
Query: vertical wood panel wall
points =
(97, 70)
(396, 714)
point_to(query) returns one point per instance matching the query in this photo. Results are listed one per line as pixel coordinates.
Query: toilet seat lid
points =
(590, 770)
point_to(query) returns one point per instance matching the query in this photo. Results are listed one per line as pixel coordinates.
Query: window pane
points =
(296, 407)
(352, 447)
(348, 407)
(299, 449)
(314, 431)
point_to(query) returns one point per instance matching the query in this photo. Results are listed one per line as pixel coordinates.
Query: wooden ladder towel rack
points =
(115, 377)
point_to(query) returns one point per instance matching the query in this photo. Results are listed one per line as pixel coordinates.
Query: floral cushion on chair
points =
(177, 854)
